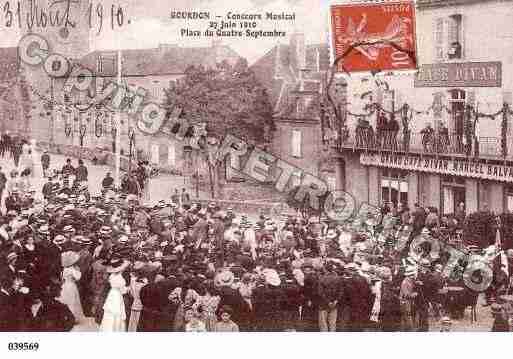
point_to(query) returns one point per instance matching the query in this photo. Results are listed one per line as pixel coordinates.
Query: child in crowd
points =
(226, 324)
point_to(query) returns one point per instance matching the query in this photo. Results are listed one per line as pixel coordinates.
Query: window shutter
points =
(296, 143)
(439, 39)
(171, 155)
(462, 36)
(448, 29)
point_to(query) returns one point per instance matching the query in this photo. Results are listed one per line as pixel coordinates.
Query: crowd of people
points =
(388, 135)
(186, 265)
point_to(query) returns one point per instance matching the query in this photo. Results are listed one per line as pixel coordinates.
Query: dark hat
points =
(116, 265)
(226, 309)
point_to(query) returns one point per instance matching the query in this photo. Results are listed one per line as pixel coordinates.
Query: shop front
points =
(443, 183)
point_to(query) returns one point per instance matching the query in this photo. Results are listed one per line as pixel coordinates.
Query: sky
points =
(150, 24)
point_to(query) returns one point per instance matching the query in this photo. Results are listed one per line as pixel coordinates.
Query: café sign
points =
(453, 167)
(466, 74)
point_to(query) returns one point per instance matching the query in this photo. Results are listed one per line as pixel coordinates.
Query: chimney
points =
(298, 50)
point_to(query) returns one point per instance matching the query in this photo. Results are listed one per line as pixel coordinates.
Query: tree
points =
(229, 99)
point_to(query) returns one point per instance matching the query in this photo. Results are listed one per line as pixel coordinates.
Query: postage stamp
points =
(374, 36)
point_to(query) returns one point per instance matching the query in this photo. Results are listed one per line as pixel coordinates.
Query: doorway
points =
(453, 193)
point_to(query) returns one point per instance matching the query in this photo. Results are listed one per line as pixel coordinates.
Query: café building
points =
(459, 65)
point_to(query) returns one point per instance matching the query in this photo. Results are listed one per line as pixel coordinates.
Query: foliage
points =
(228, 98)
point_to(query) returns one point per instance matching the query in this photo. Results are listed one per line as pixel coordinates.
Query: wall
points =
(311, 144)
(357, 179)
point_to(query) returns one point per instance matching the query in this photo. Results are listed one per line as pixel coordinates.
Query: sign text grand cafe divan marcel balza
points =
(452, 167)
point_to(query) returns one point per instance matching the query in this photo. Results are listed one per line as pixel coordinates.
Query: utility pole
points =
(51, 127)
(118, 129)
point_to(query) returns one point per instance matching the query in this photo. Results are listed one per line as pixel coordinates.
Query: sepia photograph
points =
(262, 166)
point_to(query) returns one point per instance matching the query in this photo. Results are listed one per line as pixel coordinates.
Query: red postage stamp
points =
(386, 32)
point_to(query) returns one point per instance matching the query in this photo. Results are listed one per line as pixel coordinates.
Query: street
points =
(161, 187)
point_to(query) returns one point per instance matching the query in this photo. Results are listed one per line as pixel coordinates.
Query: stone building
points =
(77, 121)
(295, 76)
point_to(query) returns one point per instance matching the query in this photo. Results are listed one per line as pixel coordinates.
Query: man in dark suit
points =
(48, 314)
(3, 181)
(7, 313)
(158, 311)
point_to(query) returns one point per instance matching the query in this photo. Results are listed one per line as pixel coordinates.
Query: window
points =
(394, 186)
(106, 64)
(439, 39)
(296, 143)
(453, 193)
(295, 179)
(454, 37)
(508, 192)
(171, 155)
(448, 36)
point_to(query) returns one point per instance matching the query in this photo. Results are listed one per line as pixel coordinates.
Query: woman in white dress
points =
(69, 294)
(114, 315)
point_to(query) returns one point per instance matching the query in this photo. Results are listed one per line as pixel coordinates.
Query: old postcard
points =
(255, 166)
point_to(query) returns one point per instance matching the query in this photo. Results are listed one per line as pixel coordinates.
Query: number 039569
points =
(22, 346)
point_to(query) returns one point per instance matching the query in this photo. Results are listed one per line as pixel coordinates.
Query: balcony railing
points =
(450, 144)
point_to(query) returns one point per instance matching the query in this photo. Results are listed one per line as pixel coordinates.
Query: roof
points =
(158, 61)
(286, 83)
(424, 4)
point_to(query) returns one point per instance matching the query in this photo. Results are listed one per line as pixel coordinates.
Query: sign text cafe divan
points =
(453, 167)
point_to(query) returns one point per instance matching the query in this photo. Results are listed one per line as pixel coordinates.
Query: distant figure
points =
(427, 137)
(45, 162)
(81, 172)
(186, 199)
(175, 197)
(26, 163)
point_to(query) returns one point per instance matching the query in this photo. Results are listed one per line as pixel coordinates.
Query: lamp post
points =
(117, 157)
(51, 129)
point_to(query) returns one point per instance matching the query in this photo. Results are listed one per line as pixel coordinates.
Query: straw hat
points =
(224, 278)
(68, 229)
(11, 256)
(410, 271)
(59, 239)
(43, 229)
(69, 258)
(271, 277)
(332, 234)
